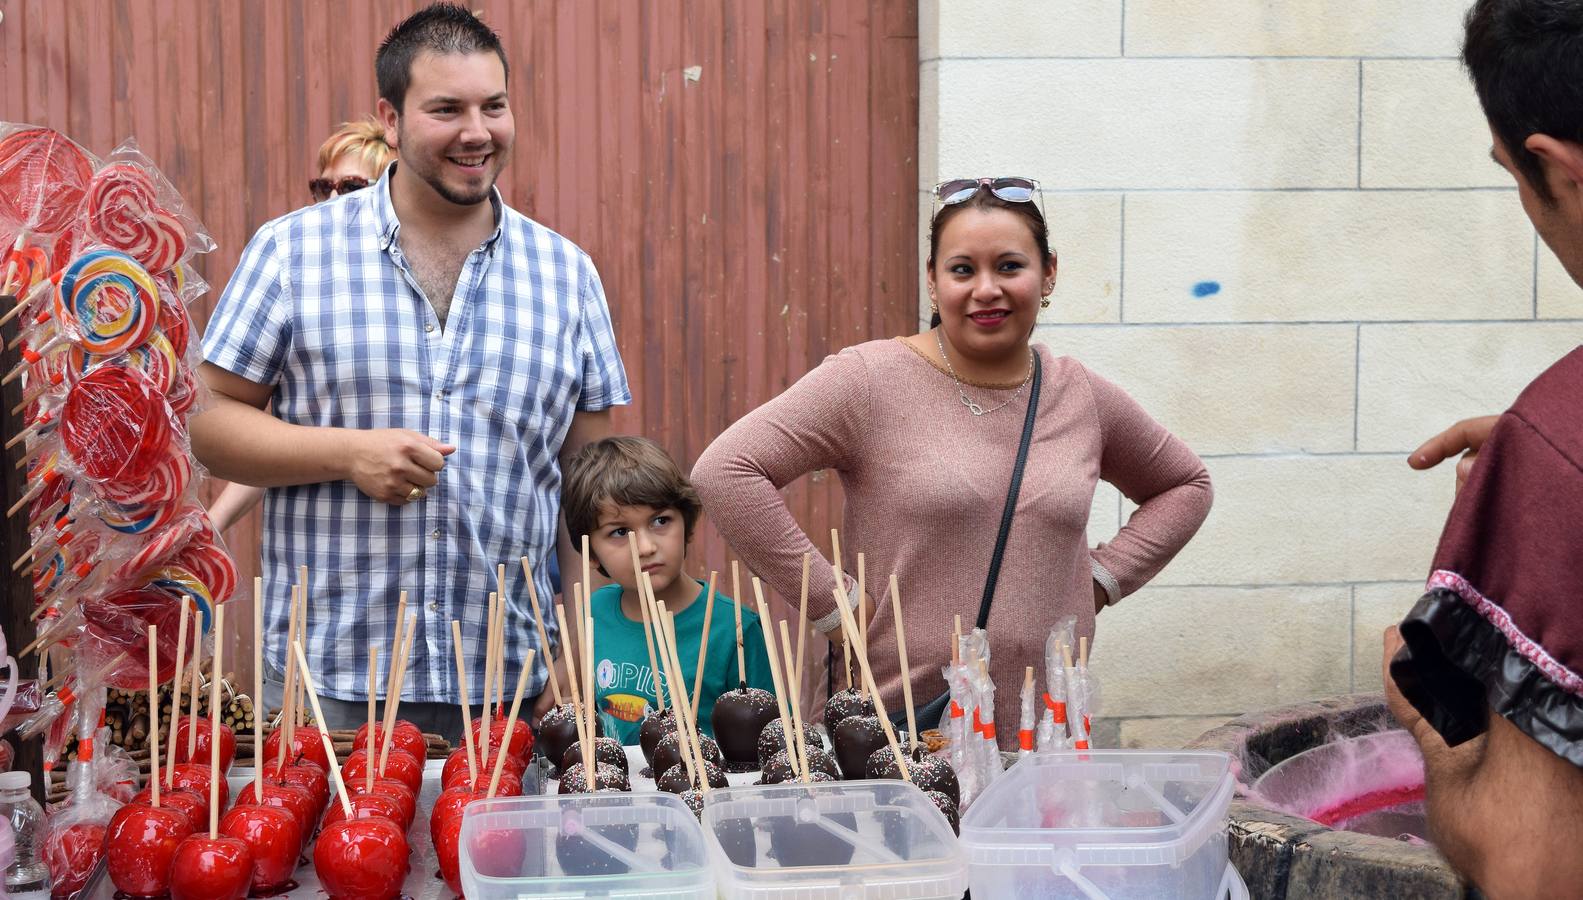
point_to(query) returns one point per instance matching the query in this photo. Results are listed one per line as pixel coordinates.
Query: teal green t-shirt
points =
(624, 681)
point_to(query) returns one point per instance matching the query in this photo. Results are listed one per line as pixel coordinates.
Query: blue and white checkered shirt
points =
(324, 307)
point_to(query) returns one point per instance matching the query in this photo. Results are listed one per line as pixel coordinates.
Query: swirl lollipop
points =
(212, 565)
(135, 518)
(190, 521)
(106, 302)
(155, 358)
(118, 623)
(122, 211)
(179, 582)
(115, 423)
(43, 176)
(173, 312)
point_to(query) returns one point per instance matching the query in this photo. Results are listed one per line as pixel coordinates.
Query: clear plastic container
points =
(850, 839)
(584, 845)
(1105, 825)
(25, 824)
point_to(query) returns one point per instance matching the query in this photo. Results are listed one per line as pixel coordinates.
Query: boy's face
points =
(662, 544)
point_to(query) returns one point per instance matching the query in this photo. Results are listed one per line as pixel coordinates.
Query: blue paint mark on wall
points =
(1206, 288)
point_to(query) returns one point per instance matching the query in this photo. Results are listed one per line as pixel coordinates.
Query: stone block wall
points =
(1280, 229)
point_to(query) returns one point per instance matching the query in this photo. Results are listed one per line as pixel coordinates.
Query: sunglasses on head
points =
(1010, 188)
(324, 188)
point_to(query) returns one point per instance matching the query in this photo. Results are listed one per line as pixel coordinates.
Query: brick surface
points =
(1317, 519)
(1422, 127)
(1128, 124)
(1165, 651)
(1259, 28)
(1327, 256)
(1415, 380)
(1019, 28)
(1230, 388)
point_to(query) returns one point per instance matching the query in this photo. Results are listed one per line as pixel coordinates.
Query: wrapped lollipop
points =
(103, 301)
(131, 206)
(43, 178)
(987, 747)
(1076, 708)
(61, 703)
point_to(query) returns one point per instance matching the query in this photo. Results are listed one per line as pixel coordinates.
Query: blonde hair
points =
(364, 138)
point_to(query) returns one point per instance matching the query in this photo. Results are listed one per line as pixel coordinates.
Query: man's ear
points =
(389, 117)
(1563, 156)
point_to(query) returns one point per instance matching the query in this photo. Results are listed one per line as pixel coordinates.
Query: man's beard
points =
(438, 184)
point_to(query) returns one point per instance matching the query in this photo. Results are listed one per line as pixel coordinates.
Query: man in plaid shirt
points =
(431, 355)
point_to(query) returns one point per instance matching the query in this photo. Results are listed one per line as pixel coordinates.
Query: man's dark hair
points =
(439, 28)
(1526, 61)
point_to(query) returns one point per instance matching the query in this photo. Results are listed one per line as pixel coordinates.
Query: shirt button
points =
(436, 534)
(434, 607)
(428, 326)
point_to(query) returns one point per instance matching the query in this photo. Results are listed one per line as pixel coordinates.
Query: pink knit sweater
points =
(925, 482)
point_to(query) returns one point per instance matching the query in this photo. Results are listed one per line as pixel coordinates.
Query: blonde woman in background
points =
(349, 160)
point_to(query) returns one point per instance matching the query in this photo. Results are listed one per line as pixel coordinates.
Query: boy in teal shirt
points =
(622, 488)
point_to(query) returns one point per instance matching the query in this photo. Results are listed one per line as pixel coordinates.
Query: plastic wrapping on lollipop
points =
(44, 176)
(131, 206)
(1028, 716)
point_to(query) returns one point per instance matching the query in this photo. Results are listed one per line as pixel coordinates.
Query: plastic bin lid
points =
(1100, 807)
(871, 839)
(619, 845)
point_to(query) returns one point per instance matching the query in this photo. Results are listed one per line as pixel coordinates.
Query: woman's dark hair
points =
(982, 200)
(1526, 61)
(439, 28)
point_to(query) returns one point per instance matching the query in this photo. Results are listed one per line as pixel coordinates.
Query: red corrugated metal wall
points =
(743, 173)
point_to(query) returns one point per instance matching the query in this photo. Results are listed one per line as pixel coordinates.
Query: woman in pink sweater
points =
(924, 433)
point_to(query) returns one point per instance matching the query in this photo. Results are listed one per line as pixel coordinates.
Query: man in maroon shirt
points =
(1486, 671)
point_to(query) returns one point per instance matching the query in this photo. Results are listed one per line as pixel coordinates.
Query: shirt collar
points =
(390, 225)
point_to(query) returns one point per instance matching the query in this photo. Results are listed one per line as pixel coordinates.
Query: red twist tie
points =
(989, 731)
(978, 724)
(1060, 711)
(1082, 745)
(956, 710)
(1025, 739)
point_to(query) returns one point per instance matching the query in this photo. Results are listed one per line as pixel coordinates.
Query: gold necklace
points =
(972, 405)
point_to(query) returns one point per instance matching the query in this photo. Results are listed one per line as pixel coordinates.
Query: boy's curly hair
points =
(624, 471)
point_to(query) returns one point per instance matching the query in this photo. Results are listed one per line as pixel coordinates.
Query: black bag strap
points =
(1011, 495)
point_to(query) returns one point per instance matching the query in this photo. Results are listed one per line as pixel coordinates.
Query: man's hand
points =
(386, 464)
(1468, 434)
(1405, 714)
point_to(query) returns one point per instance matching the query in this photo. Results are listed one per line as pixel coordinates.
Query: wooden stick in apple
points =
(373, 677)
(697, 773)
(703, 645)
(591, 749)
(511, 722)
(901, 651)
(393, 702)
(214, 723)
(544, 638)
(197, 668)
(795, 690)
(175, 693)
(648, 635)
(736, 588)
(850, 626)
(779, 682)
(324, 733)
(484, 716)
(153, 725)
(569, 654)
(258, 690)
(467, 714)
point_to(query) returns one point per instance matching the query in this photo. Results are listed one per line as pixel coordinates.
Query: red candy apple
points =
(306, 744)
(72, 854)
(195, 777)
(365, 806)
(404, 735)
(183, 800)
(140, 844)
(395, 790)
(289, 797)
(273, 837)
(455, 770)
(445, 830)
(211, 869)
(305, 775)
(204, 733)
(398, 765)
(521, 744)
(361, 859)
